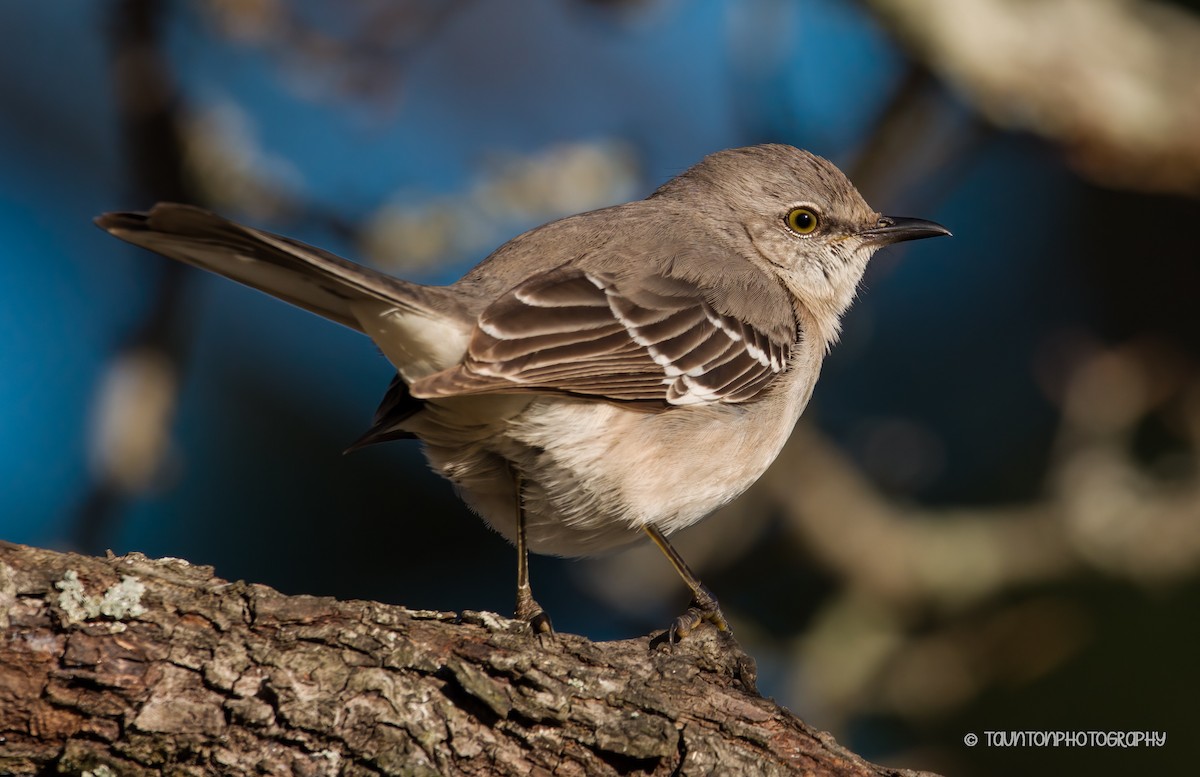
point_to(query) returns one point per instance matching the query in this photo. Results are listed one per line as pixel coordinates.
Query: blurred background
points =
(989, 518)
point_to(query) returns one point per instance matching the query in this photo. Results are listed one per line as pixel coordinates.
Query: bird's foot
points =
(704, 607)
(532, 613)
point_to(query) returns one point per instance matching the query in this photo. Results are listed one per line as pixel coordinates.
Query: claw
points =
(703, 608)
(531, 612)
(539, 623)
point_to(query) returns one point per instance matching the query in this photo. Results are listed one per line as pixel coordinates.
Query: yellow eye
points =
(802, 221)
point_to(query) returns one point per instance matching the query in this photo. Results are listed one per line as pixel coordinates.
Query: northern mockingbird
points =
(616, 373)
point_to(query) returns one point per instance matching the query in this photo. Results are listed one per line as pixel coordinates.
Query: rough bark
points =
(134, 666)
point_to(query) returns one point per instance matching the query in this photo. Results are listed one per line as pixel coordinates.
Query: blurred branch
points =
(920, 143)
(523, 190)
(1117, 82)
(411, 231)
(356, 50)
(135, 401)
(1103, 513)
(133, 666)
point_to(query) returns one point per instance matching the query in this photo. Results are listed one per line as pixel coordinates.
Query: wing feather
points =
(654, 340)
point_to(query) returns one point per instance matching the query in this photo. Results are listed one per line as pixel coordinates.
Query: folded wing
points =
(653, 340)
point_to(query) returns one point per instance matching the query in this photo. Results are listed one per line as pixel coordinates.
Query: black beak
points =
(894, 229)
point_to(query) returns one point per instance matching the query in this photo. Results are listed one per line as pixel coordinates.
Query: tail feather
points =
(303, 275)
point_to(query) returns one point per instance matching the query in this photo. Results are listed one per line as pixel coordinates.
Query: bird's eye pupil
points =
(801, 220)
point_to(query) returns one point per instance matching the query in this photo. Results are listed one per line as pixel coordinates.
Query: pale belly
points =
(593, 473)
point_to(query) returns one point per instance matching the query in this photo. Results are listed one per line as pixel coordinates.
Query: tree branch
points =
(134, 666)
(1116, 82)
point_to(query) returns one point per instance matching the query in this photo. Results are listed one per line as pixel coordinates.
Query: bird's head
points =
(798, 215)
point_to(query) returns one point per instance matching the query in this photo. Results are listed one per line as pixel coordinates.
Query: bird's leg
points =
(704, 605)
(528, 610)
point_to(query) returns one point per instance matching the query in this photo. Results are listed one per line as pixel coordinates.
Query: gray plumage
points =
(639, 365)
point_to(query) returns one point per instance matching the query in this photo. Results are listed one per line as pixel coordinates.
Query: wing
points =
(655, 339)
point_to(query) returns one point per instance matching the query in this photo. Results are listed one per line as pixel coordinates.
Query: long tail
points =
(305, 276)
